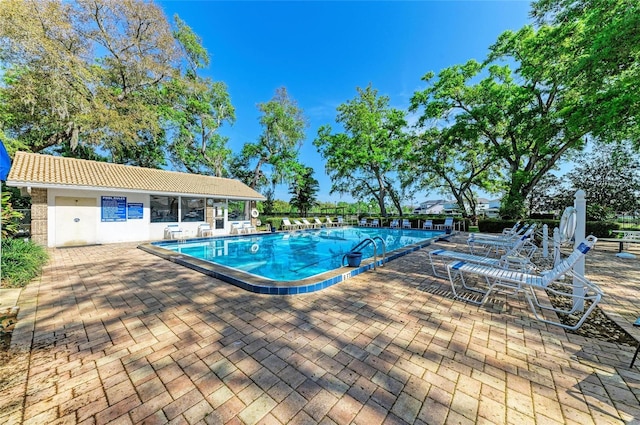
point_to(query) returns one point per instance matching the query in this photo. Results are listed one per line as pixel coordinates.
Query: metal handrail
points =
(368, 241)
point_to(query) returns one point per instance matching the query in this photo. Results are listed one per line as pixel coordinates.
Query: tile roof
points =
(36, 170)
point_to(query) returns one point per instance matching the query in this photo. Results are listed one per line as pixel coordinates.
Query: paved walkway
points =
(111, 334)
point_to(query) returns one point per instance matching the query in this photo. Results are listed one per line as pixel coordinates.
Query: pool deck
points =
(112, 334)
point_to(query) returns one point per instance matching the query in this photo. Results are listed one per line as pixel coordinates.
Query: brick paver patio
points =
(111, 334)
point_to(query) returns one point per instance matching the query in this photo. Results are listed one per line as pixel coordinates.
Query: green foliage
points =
(601, 43)
(283, 124)
(517, 119)
(609, 174)
(304, 190)
(610, 177)
(601, 229)
(21, 262)
(88, 77)
(267, 205)
(10, 217)
(363, 160)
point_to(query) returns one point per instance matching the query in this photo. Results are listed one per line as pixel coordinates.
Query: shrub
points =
(21, 262)
(10, 217)
(601, 229)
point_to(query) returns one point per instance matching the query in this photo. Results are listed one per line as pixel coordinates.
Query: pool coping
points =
(264, 286)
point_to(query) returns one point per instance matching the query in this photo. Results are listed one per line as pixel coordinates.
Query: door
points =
(219, 219)
(75, 221)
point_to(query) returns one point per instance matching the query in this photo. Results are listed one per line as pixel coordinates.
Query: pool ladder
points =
(365, 243)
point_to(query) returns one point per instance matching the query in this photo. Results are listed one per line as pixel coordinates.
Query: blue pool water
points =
(294, 256)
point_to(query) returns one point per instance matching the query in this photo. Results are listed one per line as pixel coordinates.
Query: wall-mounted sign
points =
(114, 208)
(135, 211)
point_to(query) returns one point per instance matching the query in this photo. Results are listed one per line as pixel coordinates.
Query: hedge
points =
(600, 229)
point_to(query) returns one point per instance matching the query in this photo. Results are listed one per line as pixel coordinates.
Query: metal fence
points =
(24, 227)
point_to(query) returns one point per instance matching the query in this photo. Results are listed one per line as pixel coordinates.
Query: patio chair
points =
(427, 225)
(309, 225)
(298, 224)
(236, 228)
(509, 234)
(248, 228)
(317, 222)
(406, 224)
(328, 222)
(553, 281)
(287, 225)
(363, 222)
(448, 225)
(395, 224)
(173, 231)
(340, 222)
(205, 230)
(375, 222)
(499, 244)
(518, 257)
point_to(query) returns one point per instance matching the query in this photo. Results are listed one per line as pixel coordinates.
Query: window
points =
(237, 210)
(164, 209)
(192, 209)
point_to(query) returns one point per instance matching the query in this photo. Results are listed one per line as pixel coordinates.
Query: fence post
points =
(580, 204)
(556, 246)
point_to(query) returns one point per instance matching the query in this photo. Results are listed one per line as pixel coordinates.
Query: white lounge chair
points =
(518, 257)
(375, 222)
(553, 281)
(328, 222)
(236, 228)
(287, 225)
(308, 224)
(506, 234)
(448, 224)
(498, 245)
(427, 225)
(298, 224)
(248, 228)
(406, 224)
(317, 222)
(205, 230)
(363, 222)
(173, 231)
(395, 224)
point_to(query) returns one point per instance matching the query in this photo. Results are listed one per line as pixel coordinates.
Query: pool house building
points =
(80, 202)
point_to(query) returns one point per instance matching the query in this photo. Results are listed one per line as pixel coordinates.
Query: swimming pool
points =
(290, 262)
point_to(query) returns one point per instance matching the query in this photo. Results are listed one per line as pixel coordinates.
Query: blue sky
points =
(322, 51)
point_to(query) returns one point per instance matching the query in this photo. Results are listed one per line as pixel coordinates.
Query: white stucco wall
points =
(131, 230)
(106, 232)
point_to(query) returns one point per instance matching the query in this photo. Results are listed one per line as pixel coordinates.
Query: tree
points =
(283, 125)
(113, 77)
(519, 116)
(551, 195)
(454, 161)
(362, 161)
(80, 71)
(601, 42)
(204, 106)
(304, 190)
(610, 177)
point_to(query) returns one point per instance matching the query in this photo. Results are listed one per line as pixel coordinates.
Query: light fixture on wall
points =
(209, 202)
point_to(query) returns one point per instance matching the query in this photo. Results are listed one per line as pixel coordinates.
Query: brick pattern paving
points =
(117, 335)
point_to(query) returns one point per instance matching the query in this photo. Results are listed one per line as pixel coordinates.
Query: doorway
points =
(75, 221)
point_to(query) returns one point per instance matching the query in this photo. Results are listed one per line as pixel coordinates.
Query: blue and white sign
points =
(135, 211)
(114, 208)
